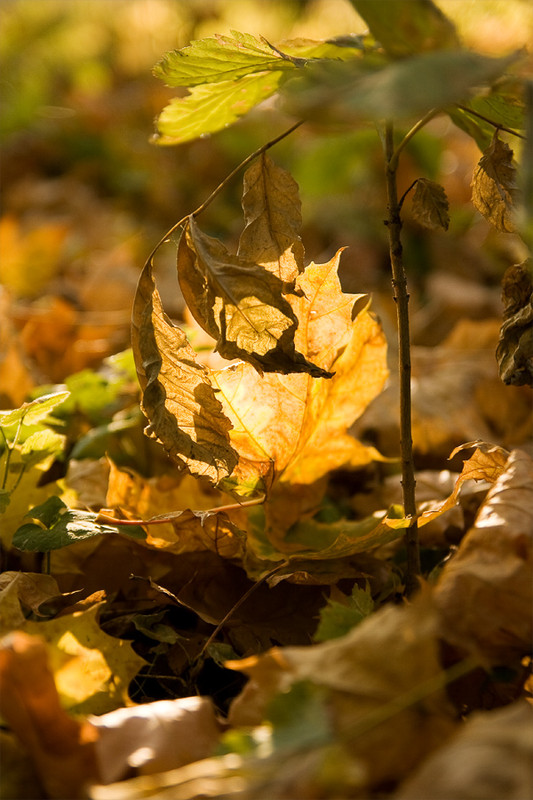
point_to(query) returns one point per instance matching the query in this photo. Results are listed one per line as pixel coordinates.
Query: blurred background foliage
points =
(85, 194)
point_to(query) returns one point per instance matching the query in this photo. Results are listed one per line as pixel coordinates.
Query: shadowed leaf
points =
(178, 398)
(430, 205)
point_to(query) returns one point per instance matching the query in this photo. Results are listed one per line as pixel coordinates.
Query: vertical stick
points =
(401, 298)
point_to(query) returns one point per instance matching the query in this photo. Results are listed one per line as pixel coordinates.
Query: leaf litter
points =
(284, 716)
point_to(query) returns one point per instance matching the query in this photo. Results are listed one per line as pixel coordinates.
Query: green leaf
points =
(222, 58)
(214, 106)
(299, 717)
(346, 91)
(494, 186)
(34, 412)
(337, 618)
(40, 445)
(503, 106)
(430, 205)
(5, 498)
(59, 526)
(404, 29)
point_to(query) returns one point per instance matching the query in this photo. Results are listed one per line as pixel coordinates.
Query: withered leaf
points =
(240, 299)
(272, 213)
(514, 352)
(484, 593)
(430, 205)
(297, 425)
(178, 398)
(494, 186)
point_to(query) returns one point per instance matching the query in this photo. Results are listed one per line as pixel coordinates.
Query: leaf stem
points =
(491, 122)
(401, 297)
(393, 162)
(221, 186)
(162, 519)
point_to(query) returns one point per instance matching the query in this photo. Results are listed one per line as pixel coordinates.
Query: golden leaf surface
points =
(297, 425)
(241, 300)
(494, 186)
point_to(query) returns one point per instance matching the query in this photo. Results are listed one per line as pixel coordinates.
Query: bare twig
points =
(401, 297)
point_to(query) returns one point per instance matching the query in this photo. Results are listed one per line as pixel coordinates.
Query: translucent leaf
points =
(430, 205)
(92, 670)
(347, 91)
(272, 213)
(408, 28)
(218, 59)
(179, 401)
(34, 412)
(211, 107)
(494, 186)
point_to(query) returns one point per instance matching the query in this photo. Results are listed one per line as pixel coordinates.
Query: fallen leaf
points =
(485, 592)
(489, 757)
(364, 692)
(30, 259)
(62, 748)
(23, 590)
(155, 737)
(92, 670)
(494, 185)
(515, 347)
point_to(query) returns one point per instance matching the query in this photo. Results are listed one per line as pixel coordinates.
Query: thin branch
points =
(491, 122)
(401, 297)
(404, 195)
(161, 519)
(222, 185)
(393, 163)
(237, 605)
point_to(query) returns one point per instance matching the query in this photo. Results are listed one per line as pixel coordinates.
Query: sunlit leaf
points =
(408, 28)
(34, 412)
(272, 213)
(430, 205)
(92, 670)
(494, 186)
(217, 59)
(211, 107)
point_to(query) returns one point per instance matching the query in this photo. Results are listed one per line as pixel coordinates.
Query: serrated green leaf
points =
(222, 58)
(337, 618)
(60, 526)
(34, 412)
(346, 91)
(40, 445)
(209, 108)
(404, 29)
(430, 205)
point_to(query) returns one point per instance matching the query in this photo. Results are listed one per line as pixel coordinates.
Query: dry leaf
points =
(489, 758)
(92, 670)
(515, 347)
(485, 591)
(61, 748)
(494, 185)
(184, 414)
(20, 590)
(430, 205)
(272, 213)
(295, 424)
(155, 737)
(367, 695)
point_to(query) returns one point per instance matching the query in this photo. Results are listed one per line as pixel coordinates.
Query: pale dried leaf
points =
(155, 737)
(430, 205)
(485, 592)
(494, 186)
(489, 758)
(272, 212)
(240, 303)
(515, 347)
